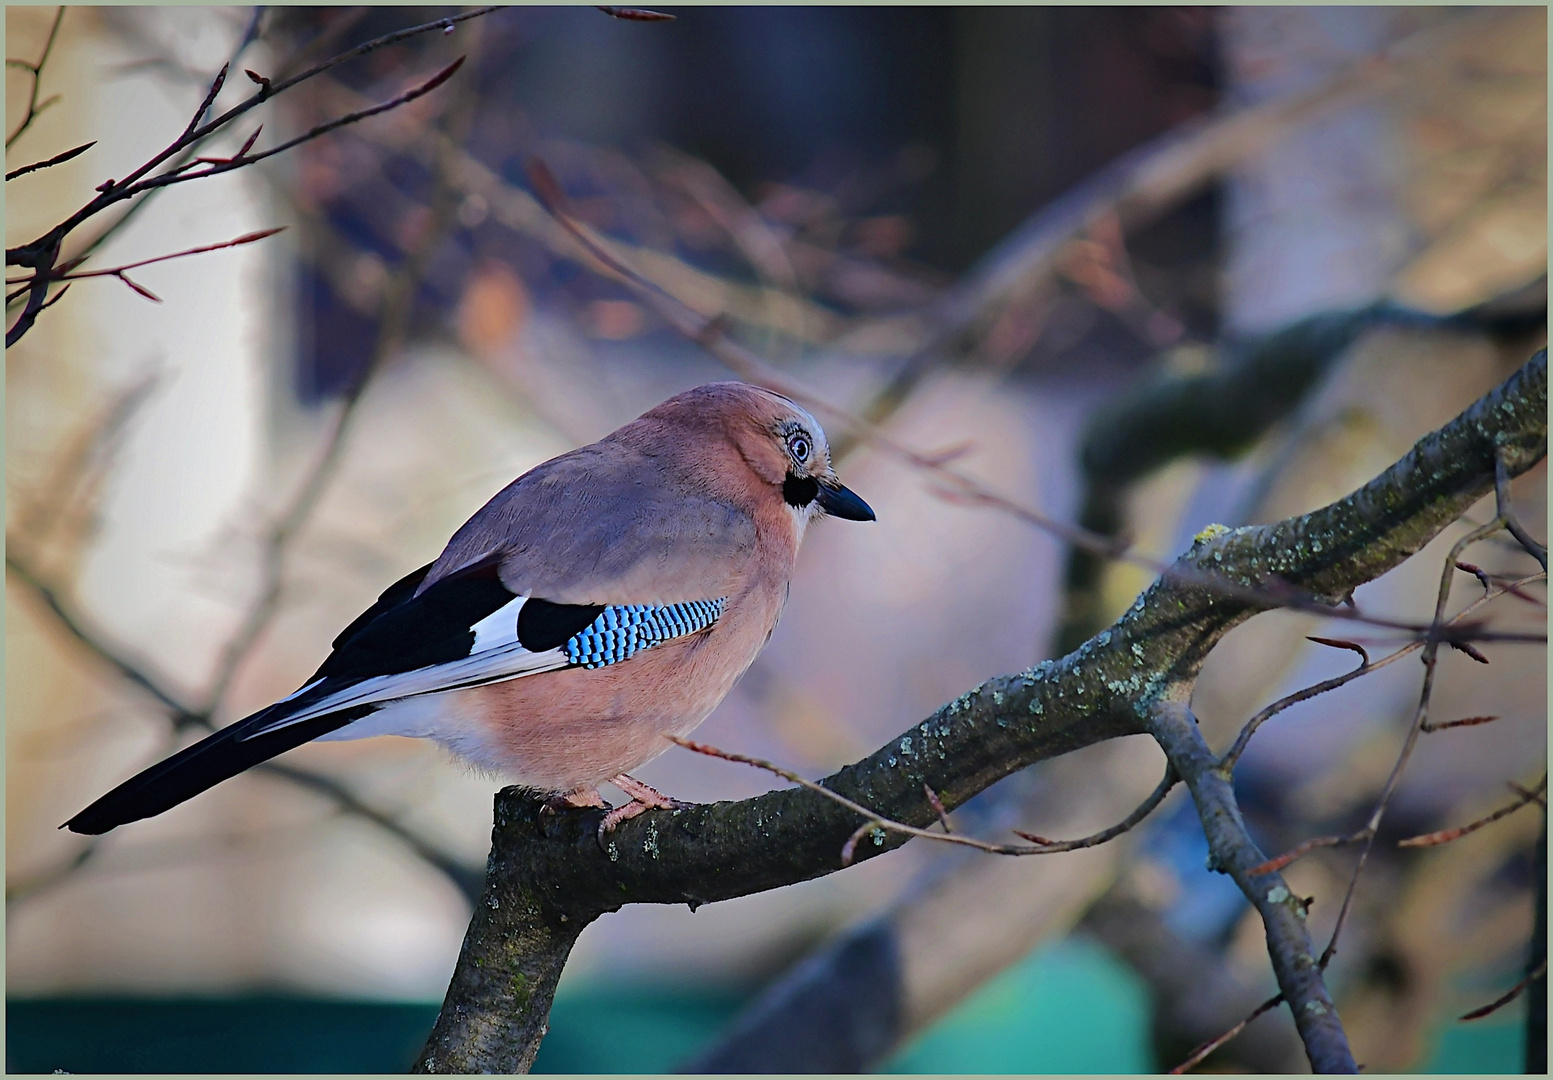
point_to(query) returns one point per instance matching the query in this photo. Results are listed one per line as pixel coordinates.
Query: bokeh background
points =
(842, 183)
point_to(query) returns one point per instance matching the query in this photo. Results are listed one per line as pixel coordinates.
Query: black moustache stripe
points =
(800, 490)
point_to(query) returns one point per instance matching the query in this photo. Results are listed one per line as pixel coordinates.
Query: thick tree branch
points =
(550, 875)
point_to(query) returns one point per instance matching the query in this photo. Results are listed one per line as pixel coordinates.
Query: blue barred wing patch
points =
(623, 630)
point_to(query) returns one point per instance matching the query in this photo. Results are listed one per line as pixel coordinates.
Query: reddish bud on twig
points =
(141, 289)
(636, 14)
(1468, 648)
(1337, 643)
(1445, 836)
(1477, 572)
(1470, 721)
(1301, 850)
(57, 159)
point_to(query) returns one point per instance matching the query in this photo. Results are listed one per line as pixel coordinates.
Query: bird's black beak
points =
(841, 502)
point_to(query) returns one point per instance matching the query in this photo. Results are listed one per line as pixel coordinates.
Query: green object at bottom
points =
(1068, 1007)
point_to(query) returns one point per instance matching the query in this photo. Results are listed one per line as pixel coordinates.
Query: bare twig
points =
(34, 108)
(469, 879)
(1299, 851)
(1511, 522)
(216, 166)
(1514, 992)
(249, 36)
(1211, 1045)
(636, 14)
(1415, 727)
(42, 254)
(57, 159)
(1133, 189)
(119, 271)
(874, 821)
(1539, 797)
(938, 807)
(1445, 836)
(1232, 755)
(711, 335)
(1470, 721)
(133, 671)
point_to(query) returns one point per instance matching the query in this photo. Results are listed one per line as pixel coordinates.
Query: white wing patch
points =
(498, 628)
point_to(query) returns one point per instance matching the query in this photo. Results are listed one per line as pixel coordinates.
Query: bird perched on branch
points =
(600, 602)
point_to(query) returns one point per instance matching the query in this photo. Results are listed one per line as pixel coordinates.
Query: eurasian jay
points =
(602, 601)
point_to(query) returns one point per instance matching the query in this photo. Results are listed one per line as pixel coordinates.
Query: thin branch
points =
(217, 166)
(1470, 721)
(938, 807)
(1514, 992)
(468, 879)
(636, 14)
(47, 879)
(874, 821)
(118, 271)
(1211, 1045)
(43, 253)
(36, 71)
(1133, 189)
(1232, 755)
(133, 671)
(1445, 836)
(1420, 717)
(1538, 797)
(1232, 851)
(249, 36)
(57, 159)
(1511, 522)
(711, 335)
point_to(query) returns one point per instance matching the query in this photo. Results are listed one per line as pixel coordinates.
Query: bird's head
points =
(780, 442)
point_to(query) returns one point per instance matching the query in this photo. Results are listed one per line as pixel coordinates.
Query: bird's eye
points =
(798, 446)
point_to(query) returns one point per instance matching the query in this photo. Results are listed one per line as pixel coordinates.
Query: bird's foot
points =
(643, 799)
(574, 799)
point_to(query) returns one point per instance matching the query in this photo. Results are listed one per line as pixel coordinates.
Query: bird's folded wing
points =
(604, 525)
(469, 629)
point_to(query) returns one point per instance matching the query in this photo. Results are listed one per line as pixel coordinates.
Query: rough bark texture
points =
(549, 876)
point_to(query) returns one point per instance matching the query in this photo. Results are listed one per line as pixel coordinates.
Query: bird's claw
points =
(643, 798)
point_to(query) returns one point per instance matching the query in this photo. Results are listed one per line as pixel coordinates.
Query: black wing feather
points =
(406, 632)
(543, 626)
(391, 597)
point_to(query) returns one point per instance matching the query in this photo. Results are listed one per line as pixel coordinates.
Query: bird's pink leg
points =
(643, 799)
(577, 797)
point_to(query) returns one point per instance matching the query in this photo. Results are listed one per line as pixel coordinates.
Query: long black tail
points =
(213, 759)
